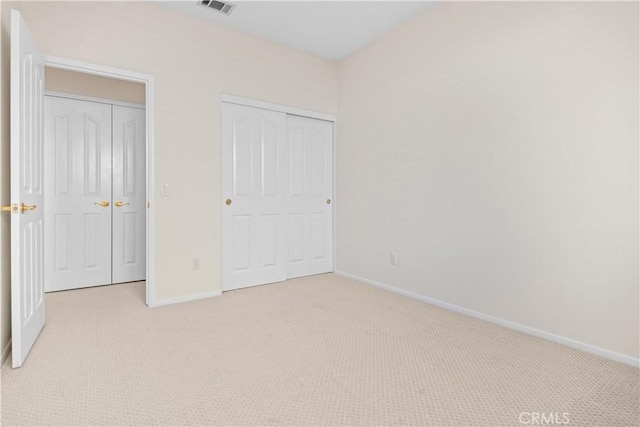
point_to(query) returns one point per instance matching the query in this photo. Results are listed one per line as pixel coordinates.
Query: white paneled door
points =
(27, 252)
(95, 194)
(129, 195)
(277, 179)
(77, 193)
(254, 176)
(310, 213)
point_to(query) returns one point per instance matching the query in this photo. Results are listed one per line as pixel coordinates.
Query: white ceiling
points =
(330, 29)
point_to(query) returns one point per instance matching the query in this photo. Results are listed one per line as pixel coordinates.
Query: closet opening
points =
(278, 207)
(97, 162)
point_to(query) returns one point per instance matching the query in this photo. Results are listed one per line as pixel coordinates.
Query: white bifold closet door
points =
(277, 220)
(77, 140)
(95, 195)
(129, 236)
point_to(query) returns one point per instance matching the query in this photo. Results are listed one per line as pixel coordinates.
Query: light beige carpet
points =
(321, 350)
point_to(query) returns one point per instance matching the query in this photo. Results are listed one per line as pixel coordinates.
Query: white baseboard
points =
(5, 352)
(168, 301)
(588, 348)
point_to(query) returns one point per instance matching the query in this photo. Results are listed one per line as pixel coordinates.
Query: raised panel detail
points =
(241, 227)
(63, 155)
(91, 156)
(129, 220)
(62, 239)
(129, 158)
(27, 128)
(32, 276)
(38, 253)
(269, 158)
(317, 235)
(38, 156)
(296, 236)
(318, 163)
(91, 240)
(241, 157)
(269, 240)
(296, 161)
(27, 272)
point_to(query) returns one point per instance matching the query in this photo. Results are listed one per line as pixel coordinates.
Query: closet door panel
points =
(77, 147)
(310, 211)
(129, 194)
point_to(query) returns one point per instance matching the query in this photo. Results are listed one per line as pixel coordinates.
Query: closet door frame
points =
(248, 102)
(92, 99)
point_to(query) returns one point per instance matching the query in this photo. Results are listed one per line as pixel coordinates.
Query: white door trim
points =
(335, 198)
(147, 80)
(248, 102)
(92, 99)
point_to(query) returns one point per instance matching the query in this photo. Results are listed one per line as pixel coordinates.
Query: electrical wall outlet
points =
(164, 190)
(393, 259)
(195, 263)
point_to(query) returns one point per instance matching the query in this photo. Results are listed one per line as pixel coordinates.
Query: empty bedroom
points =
(323, 213)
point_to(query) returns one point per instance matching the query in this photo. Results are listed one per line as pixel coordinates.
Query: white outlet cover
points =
(164, 190)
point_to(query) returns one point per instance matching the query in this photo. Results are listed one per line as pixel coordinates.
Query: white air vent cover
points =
(220, 6)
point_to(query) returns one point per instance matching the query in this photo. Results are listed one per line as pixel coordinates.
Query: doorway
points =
(95, 183)
(132, 78)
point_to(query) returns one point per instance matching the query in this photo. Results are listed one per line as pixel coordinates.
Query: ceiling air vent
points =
(222, 7)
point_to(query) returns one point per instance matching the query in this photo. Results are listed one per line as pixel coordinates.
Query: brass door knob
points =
(227, 202)
(104, 204)
(25, 208)
(120, 204)
(328, 201)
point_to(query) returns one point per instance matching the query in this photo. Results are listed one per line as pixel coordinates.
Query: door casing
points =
(147, 80)
(248, 102)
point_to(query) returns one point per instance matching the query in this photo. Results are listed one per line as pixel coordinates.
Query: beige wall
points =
(59, 80)
(494, 147)
(193, 62)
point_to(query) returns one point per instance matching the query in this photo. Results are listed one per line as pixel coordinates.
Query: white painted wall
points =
(193, 63)
(494, 147)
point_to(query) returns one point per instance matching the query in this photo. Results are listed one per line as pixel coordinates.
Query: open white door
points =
(27, 250)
